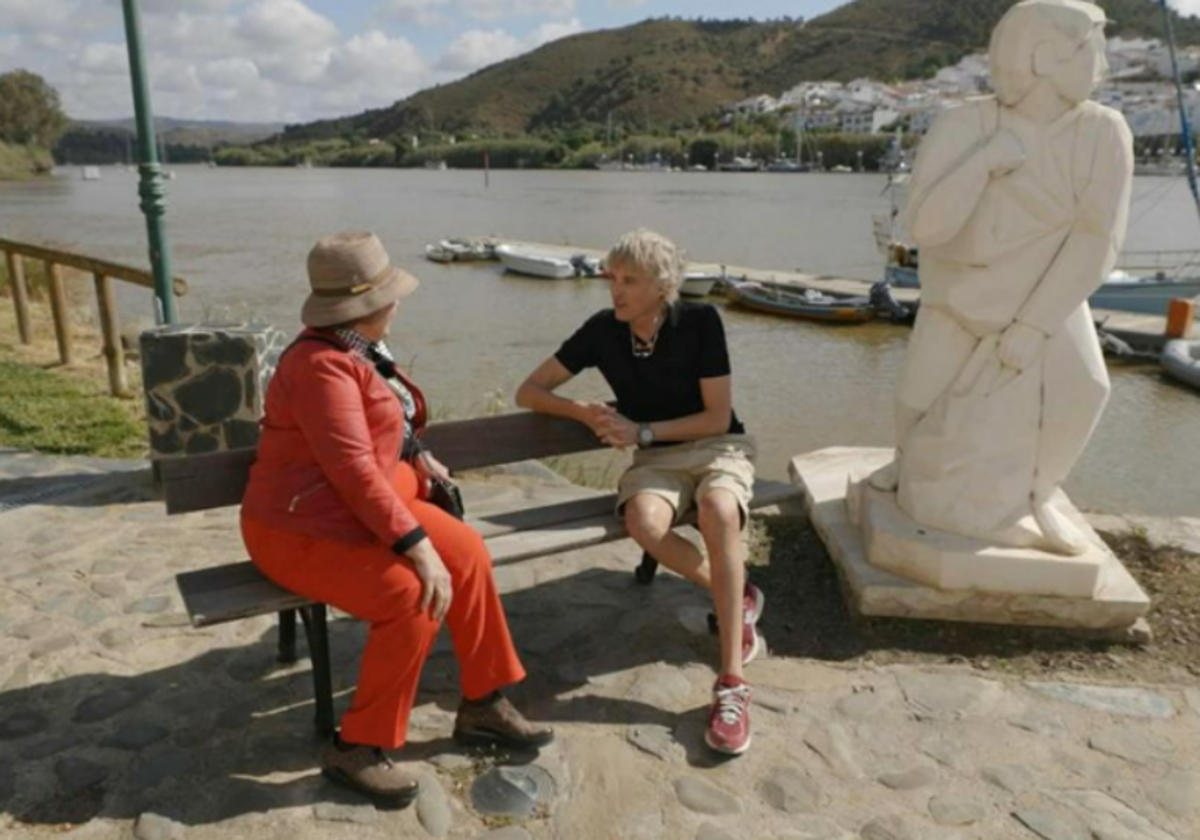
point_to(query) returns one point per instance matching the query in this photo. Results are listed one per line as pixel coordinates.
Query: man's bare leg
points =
(648, 519)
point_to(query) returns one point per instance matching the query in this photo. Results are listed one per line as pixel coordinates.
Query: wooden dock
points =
(1144, 333)
(769, 277)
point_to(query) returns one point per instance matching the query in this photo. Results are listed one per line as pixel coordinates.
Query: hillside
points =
(111, 141)
(664, 74)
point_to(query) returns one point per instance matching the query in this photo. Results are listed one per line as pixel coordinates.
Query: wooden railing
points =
(103, 273)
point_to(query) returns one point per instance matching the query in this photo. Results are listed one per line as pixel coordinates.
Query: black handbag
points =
(446, 495)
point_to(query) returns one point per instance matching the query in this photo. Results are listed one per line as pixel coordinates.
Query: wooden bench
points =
(232, 592)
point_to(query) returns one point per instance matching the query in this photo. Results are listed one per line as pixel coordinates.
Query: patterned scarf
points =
(373, 352)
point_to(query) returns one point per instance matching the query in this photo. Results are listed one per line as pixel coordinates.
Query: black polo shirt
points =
(666, 384)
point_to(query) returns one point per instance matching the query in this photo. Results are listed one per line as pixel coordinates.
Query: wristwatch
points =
(645, 435)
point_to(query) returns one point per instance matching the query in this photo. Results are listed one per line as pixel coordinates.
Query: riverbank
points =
(18, 163)
(47, 407)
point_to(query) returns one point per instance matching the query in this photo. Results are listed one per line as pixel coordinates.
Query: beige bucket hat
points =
(351, 276)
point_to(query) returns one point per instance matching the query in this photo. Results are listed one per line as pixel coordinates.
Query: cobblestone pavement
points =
(117, 719)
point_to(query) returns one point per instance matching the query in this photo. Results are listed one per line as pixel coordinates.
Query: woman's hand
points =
(617, 431)
(436, 589)
(429, 466)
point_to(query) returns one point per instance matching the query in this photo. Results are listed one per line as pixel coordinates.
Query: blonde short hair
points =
(1023, 28)
(659, 257)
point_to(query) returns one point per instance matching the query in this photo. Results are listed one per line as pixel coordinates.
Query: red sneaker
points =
(729, 720)
(753, 603)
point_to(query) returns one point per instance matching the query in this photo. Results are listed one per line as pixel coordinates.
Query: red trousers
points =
(371, 583)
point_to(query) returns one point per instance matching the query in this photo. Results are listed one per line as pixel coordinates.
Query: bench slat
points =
(228, 593)
(203, 482)
(533, 519)
(243, 600)
(506, 439)
(219, 479)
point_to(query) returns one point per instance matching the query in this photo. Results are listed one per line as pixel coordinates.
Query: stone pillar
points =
(205, 386)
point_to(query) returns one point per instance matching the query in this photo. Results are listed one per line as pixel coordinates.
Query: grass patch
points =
(36, 282)
(20, 162)
(50, 412)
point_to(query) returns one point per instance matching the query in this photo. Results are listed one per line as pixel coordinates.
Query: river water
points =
(240, 238)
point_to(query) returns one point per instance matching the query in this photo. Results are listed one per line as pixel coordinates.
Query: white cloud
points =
(291, 43)
(192, 35)
(555, 30)
(262, 60)
(232, 73)
(54, 15)
(105, 60)
(418, 12)
(371, 71)
(186, 6)
(548, 8)
(479, 48)
(1186, 7)
(489, 10)
(286, 23)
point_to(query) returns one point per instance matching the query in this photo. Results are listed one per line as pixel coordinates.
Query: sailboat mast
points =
(1189, 145)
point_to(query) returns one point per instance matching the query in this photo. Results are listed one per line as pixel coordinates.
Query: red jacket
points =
(331, 437)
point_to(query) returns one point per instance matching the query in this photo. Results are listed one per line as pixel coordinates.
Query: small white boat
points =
(697, 284)
(789, 167)
(460, 250)
(1181, 360)
(91, 173)
(535, 263)
(740, 164)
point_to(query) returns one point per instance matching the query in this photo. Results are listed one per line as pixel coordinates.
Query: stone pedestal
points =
(892, 567)
(205, 386)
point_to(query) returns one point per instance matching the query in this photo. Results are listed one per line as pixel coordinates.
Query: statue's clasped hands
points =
(1005, 153)
(1021, 346)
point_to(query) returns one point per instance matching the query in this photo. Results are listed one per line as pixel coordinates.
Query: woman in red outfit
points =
(334, 512)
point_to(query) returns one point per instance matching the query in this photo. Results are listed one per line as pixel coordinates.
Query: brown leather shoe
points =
(498, 724)
(367, 770)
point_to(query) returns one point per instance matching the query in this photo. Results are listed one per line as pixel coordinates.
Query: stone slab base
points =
(898, 544)
(826, 476)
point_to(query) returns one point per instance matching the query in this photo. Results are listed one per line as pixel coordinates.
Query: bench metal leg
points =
(315, 627)
(647, 570)
(287, 637)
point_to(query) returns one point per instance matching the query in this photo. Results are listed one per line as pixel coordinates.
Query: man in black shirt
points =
(668, 366)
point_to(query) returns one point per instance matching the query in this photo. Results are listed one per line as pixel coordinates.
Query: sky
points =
(300, 60)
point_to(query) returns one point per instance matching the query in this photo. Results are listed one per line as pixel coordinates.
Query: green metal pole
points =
(152, 183)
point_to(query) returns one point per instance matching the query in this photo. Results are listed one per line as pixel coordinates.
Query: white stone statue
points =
(1019, 204)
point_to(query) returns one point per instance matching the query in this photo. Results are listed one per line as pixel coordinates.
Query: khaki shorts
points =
(684, 472)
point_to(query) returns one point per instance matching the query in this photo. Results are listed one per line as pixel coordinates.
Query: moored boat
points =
(1126, 290)
(740, 164)
(535, 263)
(1181, 361)
(1148, 295)
(810, 304)
(697, 284)
(460, 250)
